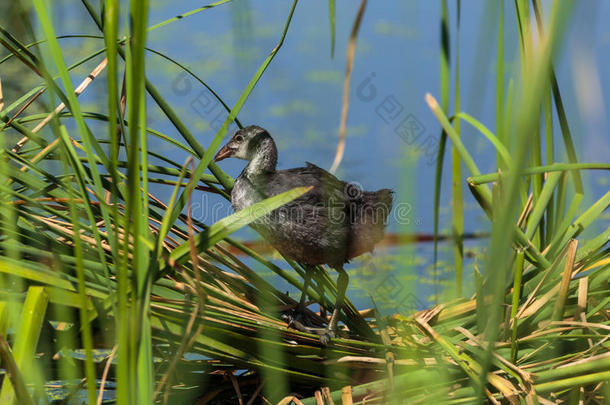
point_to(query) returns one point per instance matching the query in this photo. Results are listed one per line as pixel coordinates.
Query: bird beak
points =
(223, 153)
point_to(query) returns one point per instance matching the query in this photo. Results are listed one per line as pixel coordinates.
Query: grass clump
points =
(124, 297)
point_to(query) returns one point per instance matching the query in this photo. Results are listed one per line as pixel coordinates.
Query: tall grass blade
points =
(331, 22)
(233, 222)
(444, 81)
(206, 159)
(457, 198)
(26, 339)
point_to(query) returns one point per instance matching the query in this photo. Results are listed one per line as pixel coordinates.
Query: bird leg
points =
(309, 270)
(331, 329)
(326, 334)
(301, 316)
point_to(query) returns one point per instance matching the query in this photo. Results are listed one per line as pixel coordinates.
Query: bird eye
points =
(239, 138)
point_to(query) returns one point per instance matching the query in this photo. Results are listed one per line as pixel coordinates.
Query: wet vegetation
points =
(113, 294)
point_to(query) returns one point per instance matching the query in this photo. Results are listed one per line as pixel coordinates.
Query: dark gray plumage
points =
(332, 223)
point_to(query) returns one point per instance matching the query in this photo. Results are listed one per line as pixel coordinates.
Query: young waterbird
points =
(332, 223)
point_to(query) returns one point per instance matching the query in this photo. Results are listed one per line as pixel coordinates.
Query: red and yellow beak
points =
(223, 153)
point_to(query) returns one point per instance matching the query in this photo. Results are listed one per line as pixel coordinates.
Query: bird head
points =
(244, 143)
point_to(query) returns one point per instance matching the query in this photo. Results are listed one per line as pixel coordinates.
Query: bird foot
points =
(301, 317)
(296, 322)
(326, 337)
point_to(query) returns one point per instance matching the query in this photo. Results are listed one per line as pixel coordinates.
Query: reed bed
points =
(112, 295)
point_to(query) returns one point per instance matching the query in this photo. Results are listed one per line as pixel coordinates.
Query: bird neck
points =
(265, 157)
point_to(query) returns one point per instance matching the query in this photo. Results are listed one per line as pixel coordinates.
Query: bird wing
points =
(327, 191)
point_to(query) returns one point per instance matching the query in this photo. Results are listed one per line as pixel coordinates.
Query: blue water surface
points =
(392, 137)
